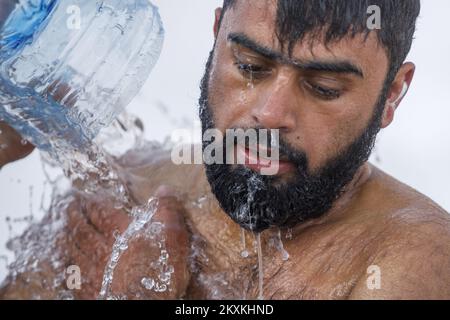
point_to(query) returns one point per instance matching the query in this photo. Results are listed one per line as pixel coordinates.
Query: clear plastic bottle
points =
(68, 68)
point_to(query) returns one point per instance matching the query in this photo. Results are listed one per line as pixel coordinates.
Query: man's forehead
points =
(255, 17)
(258, 21)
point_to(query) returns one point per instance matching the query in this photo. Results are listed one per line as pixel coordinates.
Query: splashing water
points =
(4, 260)
(244, 252)
(27, 247)
(142, 215)
(260, 268)
(141, 223)
(38, 244)
(251, 83)
(254, 184)
(56, 84)
(165, 270)
(289, 234)
(57, 90)
(277, 242)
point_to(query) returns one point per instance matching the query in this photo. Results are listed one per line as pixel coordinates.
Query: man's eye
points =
(323, 92)
(252, 71)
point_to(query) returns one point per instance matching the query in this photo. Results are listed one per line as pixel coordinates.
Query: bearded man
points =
(315, 72)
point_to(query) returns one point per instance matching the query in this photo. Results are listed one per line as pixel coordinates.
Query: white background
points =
(415, 148)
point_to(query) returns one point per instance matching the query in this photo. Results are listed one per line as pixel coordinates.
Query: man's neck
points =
(340, 206)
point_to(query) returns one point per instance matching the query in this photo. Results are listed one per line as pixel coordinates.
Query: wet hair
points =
(336, 19)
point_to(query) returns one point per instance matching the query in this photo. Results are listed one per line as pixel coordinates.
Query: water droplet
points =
(250, 83)
(65, 295)
(116, 234)
(164, 277)
(163, 256)
(156, 228)
(289, 234)
(260, 268)
(280, 247)
(148, 283)
(160, 287)
(123, 246)
(245, 254)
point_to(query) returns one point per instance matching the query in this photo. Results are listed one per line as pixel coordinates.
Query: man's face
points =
(326, 102)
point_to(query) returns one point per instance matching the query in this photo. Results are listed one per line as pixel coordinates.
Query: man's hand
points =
(11, 146)
(92, 226)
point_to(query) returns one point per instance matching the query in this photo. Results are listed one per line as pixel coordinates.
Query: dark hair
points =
(337, 19)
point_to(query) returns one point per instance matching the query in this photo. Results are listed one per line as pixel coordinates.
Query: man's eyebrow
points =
(342, 66)
(244, 41)
(330, 66)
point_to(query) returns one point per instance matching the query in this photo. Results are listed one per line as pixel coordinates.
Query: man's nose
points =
(275, 108)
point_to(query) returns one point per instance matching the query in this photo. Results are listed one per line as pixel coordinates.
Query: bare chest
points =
(317, 265)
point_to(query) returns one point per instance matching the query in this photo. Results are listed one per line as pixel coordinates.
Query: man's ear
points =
(397, 92)
(218, 15)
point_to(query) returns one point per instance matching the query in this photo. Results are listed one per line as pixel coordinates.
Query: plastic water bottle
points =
(68, 68)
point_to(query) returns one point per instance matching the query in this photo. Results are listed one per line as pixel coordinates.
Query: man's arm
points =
(85, 239)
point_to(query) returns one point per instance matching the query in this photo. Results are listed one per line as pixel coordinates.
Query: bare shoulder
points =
(146, 169)
(413, 255)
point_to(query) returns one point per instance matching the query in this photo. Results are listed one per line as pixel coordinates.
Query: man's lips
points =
(256, 162)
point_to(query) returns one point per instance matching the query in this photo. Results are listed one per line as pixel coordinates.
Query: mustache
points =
(286, 151)
(297, 157)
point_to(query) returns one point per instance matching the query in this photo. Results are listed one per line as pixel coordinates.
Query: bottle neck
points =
(20, 22)
(6, 7)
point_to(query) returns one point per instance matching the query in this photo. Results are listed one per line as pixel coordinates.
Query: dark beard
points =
(257, 202)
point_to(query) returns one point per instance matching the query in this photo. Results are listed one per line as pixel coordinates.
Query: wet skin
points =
(377, 221)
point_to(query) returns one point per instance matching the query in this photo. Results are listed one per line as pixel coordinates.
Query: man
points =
(314, 71)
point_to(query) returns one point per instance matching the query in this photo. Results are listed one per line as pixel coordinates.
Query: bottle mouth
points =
(20, 22)
(6, 7)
